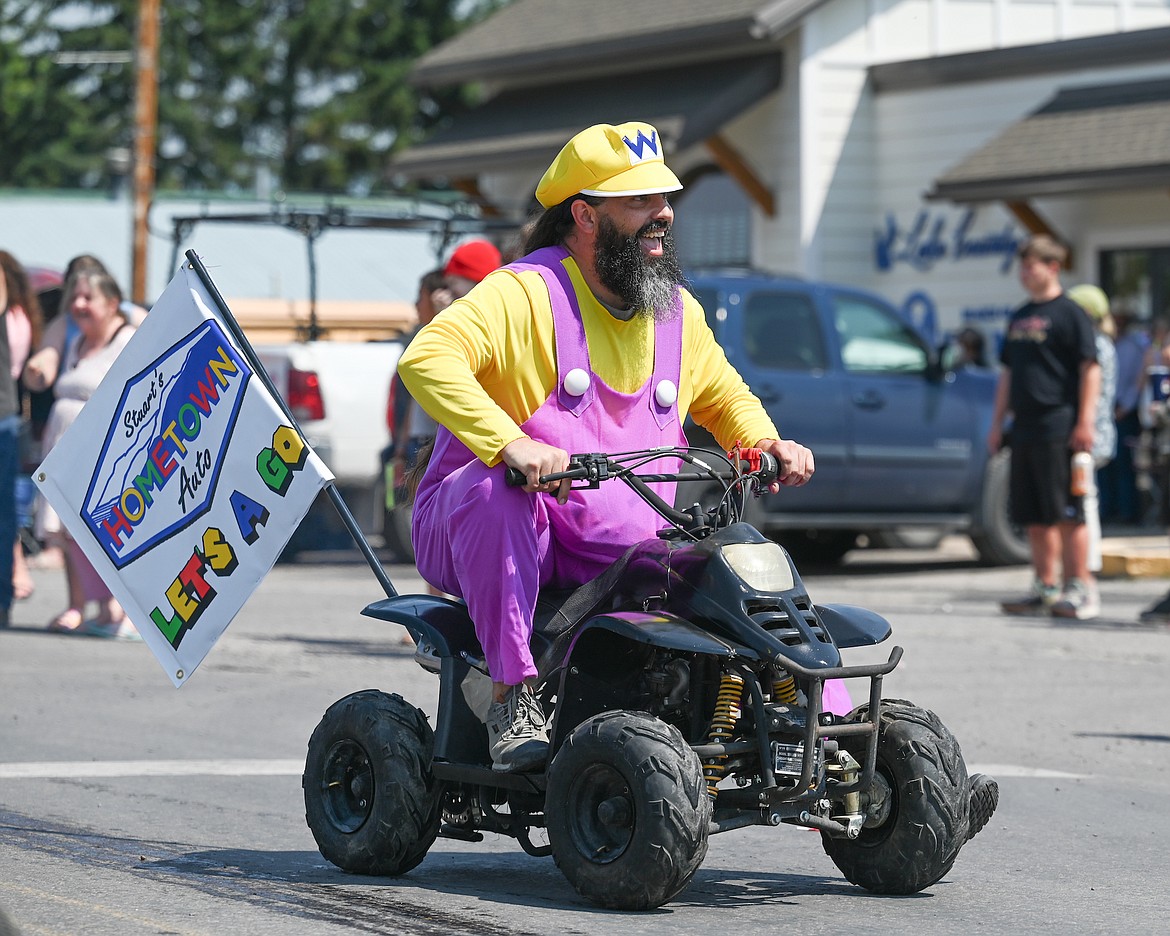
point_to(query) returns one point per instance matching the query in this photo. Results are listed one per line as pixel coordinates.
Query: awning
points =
(528, 126)
(1092, 139)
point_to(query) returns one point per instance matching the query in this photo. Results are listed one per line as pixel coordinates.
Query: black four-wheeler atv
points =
(683, 690)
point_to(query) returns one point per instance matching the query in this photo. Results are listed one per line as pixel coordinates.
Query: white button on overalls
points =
(666, 393)
(576, 382)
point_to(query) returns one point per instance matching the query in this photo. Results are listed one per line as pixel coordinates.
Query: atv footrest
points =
(476, 775)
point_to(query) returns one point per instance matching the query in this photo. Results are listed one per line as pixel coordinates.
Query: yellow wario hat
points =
(609, 161)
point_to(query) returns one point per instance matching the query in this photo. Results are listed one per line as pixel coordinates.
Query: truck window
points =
(874, 340)
(781, 331)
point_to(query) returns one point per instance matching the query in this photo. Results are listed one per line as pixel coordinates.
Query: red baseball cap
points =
(473, 260)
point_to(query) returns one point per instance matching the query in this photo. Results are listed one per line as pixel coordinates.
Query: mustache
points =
(652, 227)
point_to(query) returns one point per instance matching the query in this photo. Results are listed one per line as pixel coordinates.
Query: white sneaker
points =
(1079, 600)
(1038, 601)
(516, 732)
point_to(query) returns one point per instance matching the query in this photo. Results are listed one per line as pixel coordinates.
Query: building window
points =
(714, 223)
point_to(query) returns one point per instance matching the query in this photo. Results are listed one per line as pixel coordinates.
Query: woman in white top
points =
(93, 299)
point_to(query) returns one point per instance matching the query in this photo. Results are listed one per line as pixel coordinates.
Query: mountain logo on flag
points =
(161, 458)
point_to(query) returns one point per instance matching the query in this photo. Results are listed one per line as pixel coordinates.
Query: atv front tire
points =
(926, 824)
(370, 798)
(628, 812)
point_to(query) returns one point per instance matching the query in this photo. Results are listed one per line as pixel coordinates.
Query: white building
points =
(904, 146)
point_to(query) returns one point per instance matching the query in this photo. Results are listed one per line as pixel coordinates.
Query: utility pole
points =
(145, 134)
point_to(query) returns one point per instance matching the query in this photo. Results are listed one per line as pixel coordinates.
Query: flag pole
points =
(261, 372)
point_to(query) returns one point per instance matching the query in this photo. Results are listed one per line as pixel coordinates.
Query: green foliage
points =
(309, 94)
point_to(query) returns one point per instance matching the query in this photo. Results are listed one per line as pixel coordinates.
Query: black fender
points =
(443, 622)
(851, 626)
(460, 736)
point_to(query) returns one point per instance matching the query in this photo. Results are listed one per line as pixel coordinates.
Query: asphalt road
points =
(128, 807)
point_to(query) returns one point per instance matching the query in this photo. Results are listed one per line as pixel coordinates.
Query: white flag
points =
(181, 479)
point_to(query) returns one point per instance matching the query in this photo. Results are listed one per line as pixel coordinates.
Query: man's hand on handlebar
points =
(796, 462)
(533, 459)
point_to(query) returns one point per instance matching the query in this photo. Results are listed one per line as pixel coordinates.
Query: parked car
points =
(899, 439)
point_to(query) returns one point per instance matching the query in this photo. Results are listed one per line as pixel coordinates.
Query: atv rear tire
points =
(927, 821)
(371, 800)
(628, 812)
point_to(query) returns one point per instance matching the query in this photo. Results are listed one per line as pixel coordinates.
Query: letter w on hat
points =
(642, 145)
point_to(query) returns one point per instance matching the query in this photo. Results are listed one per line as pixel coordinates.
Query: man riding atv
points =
(589, 342)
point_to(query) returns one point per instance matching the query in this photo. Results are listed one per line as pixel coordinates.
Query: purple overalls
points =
(496, 546)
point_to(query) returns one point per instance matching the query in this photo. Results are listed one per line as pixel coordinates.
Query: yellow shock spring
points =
(727, 713)
(784, 688)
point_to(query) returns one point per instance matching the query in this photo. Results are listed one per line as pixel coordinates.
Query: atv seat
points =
(445, 623)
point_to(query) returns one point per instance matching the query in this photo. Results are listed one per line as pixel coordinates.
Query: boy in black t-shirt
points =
(1049, 382)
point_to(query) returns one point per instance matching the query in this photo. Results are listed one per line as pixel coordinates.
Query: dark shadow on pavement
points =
(502, 878)
(392, 645)
(1123, 736)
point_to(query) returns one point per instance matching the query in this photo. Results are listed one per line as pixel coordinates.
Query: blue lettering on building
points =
(920, 309)
(926, 241)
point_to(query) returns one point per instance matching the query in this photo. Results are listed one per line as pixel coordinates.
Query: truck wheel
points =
(628, 811)
(396, 533)
(370, 798)
(394, 522)
(997, 540)
(920, 834)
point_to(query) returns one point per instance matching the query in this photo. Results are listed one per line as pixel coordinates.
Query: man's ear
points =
(584, 215)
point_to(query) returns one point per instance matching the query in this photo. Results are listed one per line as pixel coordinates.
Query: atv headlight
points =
(762, 566)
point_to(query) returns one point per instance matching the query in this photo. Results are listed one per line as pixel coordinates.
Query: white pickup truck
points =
(338, 391)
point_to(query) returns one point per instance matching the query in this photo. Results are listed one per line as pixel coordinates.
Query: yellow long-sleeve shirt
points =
(488, 362)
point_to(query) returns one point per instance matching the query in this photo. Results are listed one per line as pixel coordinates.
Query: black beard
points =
(647, 285)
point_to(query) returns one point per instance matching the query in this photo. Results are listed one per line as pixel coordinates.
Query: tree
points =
(312, 94)
(51, 132)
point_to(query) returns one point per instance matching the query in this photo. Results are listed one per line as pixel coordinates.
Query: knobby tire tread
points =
(404, 819)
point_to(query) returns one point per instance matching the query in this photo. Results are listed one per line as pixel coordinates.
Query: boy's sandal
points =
(112, 630)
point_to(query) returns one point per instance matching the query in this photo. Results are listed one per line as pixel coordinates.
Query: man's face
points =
(634, 253)
(1037, 276)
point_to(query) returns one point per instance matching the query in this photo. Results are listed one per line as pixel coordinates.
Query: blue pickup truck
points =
(899, 439)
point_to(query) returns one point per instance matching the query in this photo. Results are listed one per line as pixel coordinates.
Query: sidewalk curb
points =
(1135, 557)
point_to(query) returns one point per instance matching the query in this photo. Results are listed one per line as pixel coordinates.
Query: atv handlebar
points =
(755, 465)
(752, 469)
